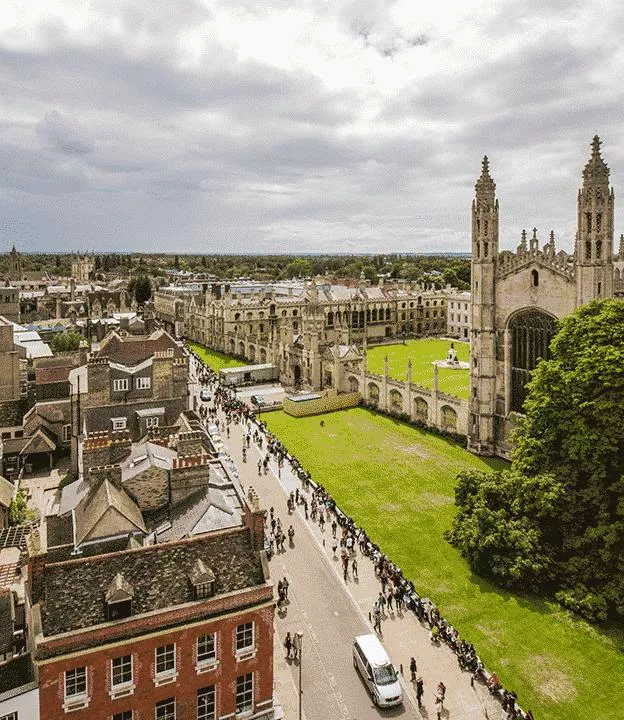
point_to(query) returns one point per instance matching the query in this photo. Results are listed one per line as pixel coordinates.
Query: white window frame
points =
(170, 674)
(249, 650)
(10, 716)
(207, 661)
(67, 434)
(152, 421)
(168, 717)
(75, 700)
(119, 423)
(142, 383)
(120, 385)
(126, 687)
(205, 713)
(247, 711)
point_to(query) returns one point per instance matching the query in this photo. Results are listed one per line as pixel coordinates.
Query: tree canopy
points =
(555, 521)
(66, 341)
(141, 288)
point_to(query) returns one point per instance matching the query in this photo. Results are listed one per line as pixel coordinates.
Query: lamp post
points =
(299, 643)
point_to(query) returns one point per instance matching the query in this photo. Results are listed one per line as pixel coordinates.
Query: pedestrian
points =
(321, 520)
(334, 546)
(413, 669)
(382, 603)
(440, 695)
(420, 691)
(288, 645)
(285, 585)
(377, 618)
(354, 568)
(291, 536)
(334, 527)
(389, 597)
(297, 647)
(305, 507)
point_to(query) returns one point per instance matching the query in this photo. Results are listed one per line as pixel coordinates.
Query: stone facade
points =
(291, 326)
(517, 298)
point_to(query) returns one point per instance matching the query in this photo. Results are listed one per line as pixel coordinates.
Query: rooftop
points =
(75, 590)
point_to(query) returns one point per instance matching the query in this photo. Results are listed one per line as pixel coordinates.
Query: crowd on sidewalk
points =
(317, 506)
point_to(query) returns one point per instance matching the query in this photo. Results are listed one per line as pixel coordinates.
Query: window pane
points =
(125, 715)
(244, 636)
(244, 693)
(165, 658)
(206, 703)
(206, 648)
(75, 682)
(165, 710)
(122, 670)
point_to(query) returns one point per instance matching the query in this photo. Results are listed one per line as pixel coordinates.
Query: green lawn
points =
(422, 353)
(397, 482)
(213, 358)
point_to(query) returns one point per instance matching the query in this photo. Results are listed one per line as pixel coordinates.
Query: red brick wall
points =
(188, 681)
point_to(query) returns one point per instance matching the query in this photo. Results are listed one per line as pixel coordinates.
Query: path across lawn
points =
(397, 482)
(422, 353)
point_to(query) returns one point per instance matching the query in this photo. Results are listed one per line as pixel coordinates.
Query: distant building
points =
(458, 315)
(83, 268)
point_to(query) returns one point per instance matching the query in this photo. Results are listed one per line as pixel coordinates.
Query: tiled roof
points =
(45, 375)
(158, 574)
(131, 350)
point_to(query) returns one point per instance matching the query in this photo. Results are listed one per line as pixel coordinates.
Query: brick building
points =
(134, 383)
(173, 631)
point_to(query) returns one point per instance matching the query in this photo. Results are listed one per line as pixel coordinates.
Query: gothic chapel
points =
(517, 297)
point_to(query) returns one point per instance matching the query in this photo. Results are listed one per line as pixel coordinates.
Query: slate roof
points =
(17, 672)
(158, 574)
(7, 618)
(110, 501)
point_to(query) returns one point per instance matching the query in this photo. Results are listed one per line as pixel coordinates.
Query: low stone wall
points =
(329, 401)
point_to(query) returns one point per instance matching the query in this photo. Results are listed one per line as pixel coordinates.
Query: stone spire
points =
(596, 168)
(485, 187)
(621, 250)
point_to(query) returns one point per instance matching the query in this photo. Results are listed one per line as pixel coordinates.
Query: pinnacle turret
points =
(485, 186)
(596, 168)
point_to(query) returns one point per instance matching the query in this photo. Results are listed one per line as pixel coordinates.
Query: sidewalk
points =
(402, 635)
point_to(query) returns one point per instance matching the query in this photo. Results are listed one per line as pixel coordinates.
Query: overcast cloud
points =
(300, 125)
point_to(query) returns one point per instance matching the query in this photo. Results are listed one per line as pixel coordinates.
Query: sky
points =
(293, 126)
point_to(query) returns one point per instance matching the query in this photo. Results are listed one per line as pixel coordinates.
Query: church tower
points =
(15, 265)
(481, 432)
(594, 238)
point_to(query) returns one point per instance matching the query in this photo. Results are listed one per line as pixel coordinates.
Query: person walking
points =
(389, 597)
(288, 645)
(285, 585)
(377, 618)
(413, 668)
(297, 647)
(382, 603)
(345, 564)
(334, 527)
(354, 568)
(440, 695)
(334, 546)
(420, 690)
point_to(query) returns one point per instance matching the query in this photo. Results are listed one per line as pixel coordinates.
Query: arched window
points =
(531, 333)
(449, 419)
(396, 401)
(534, 278)
(373, 393)
(330, 319)
(387, 313)
(421, 410)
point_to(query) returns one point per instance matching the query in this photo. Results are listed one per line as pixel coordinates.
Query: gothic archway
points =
(531, 332)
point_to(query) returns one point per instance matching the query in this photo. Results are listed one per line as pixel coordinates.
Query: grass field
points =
(397, 482)
(422, 353)
(214, 359)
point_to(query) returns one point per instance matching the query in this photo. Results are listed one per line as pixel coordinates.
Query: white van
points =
(380, 676)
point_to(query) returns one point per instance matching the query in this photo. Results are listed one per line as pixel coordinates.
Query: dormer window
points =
(118, 598)
(202, 580)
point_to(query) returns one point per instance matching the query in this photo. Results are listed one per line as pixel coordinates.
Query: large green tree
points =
(569, 459)
(141, 288)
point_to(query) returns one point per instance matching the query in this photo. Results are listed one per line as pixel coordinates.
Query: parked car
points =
(258, 400)
(379, 674)
(205, 395)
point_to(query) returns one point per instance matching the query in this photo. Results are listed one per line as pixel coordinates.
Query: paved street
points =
(330, 614)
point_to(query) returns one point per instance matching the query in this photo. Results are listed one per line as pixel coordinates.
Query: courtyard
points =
(422, 353)
(397, 482)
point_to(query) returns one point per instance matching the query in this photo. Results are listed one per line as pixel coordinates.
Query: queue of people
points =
(397, 592)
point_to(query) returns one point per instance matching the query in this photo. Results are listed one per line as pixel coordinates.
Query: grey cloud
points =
(64, 134)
